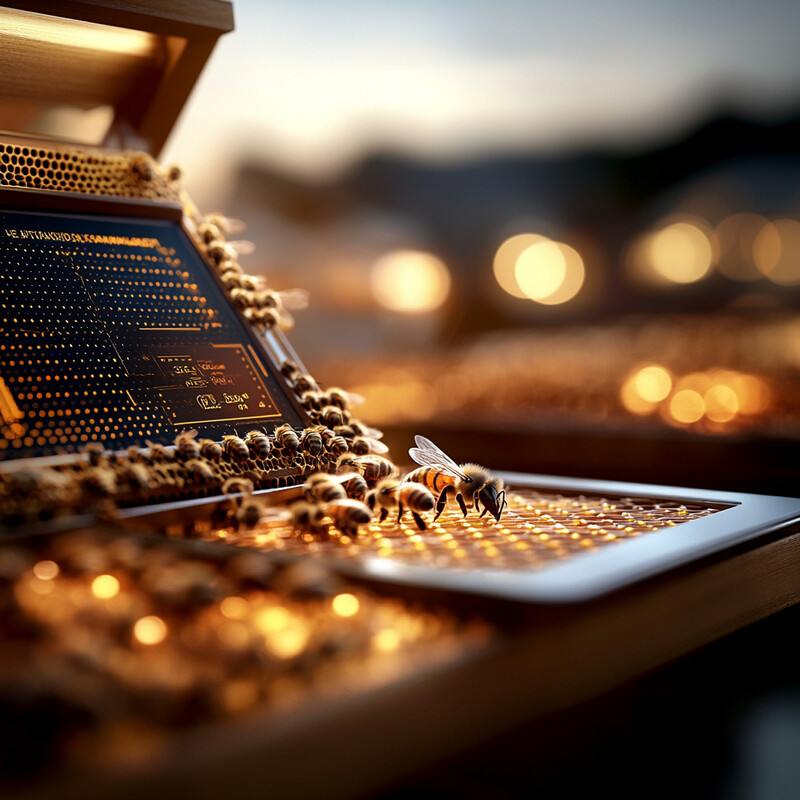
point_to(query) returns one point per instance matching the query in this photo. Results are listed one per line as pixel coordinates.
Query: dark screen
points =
(113, 329)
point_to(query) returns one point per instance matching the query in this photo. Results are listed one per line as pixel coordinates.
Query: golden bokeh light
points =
(715, 398)
(345, 604)
(105, 587)
(540, 270)
(150, 630)
(721, 403)
(687, 406)
(410, 281)
(234, 607)
(46, 570)
(505, 261)
(733, 243)
(645, 387)
(680, 252)
(776, 251)
(653, 382)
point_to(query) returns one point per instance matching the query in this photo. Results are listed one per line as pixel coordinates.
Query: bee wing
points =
(285, 320)
(427, 454)
(376, 445)
(294, 298)
(242, 246)
(226, 224)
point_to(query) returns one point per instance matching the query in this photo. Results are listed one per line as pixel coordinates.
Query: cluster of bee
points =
(262, 306)
(364, 486)
(191, 466)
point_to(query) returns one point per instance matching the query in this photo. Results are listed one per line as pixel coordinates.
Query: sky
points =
(309, 86)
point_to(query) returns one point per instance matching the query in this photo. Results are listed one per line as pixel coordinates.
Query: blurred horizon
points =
(312, 88)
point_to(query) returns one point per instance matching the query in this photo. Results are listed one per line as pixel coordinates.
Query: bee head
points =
(493, 498)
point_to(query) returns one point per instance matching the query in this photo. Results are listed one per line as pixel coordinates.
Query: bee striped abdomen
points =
(434, 479)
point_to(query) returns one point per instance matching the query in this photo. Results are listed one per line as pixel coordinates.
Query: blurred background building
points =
(573, 226)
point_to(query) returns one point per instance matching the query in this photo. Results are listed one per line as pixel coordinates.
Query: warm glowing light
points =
(269, 620)
(687, 406)
(234, 607)
(645, 387)
(46, 570)
(345, 604)
(540, 270)
(549, 272)
(653, 383)
(386, 640)
(680, 252)
(574, 275)
(410, 281)
(150, 630)
(776, 251)
(505, 261)
(754, 396)
(105, 587)
(733, 242)
(288, 642)
(721, 403)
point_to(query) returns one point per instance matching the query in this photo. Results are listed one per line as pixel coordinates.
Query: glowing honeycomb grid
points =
(536, 529)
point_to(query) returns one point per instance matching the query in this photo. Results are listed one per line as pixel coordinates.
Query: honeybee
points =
(402, 495)
(308, 517)
(258, 443)
(221, 252)
(250, 512)
(201, 471)
(231, 277)
(337, 446)
(347, 515)
(210, 450)
(287, 438)
(313, 401)
(311, 440)
(266, 317)
(323, 488)
(224, 224)
(354, 484)
(333, 416)
(241, 297)
(186, 445)
(444, 477)
(372, 467)
(237, 485)
(96, 454)
(135, 474)
(361, 445)
(289, 369)
(142, 167)
(281, 303)
(159, 453)
(343, 399)
(235, 448)
(304, 383)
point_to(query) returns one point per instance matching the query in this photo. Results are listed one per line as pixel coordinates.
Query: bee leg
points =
(400, 511)
(418, 519)
(384, 513)
(441, 501)
(462, 504)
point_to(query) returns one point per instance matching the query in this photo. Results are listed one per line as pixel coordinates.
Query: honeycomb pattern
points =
(537, 529)
(127, 174)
